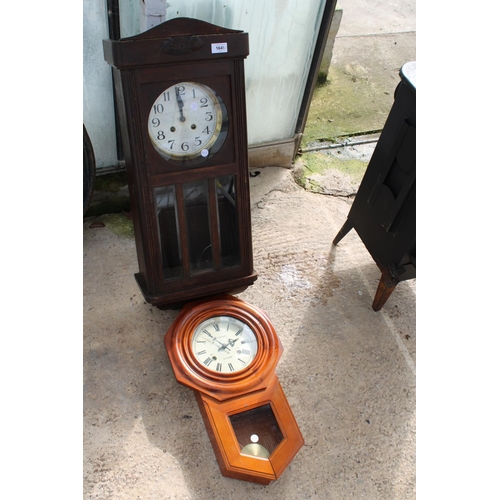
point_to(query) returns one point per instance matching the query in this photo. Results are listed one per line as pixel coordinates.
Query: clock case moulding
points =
(143, 66)
(222, 397)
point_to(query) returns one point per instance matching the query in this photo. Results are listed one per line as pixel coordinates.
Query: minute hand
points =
(222, 346)
(230, 343)
(180, 103)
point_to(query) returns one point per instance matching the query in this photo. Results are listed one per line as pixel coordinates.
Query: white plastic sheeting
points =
(282, 35)
(98, 112)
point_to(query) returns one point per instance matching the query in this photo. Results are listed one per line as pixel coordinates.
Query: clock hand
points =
(222, 346)
(180, 103)
(215, 339)
(230, 342)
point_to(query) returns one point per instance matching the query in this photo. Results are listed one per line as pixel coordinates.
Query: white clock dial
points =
(185, 121)
(224, 344)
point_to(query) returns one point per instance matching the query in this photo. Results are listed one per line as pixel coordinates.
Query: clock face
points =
(224, 344)
(187, 121)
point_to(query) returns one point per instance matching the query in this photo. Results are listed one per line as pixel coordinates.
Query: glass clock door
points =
(257, 431)
(198, 226)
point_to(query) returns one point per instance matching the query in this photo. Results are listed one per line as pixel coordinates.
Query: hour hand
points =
(229, 343)
(222, 346)
(180, 103)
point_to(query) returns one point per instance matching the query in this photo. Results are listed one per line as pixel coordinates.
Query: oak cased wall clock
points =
(180, 90)
(227, 350)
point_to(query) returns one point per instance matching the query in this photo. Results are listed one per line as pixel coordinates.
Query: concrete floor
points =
(347, 371)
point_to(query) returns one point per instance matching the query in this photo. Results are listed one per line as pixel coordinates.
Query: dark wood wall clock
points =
(180, 90)
(226, 351)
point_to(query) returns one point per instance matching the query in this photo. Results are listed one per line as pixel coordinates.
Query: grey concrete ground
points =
(348, 372)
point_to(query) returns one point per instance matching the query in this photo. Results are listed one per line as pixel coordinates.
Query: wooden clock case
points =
(169, 241)
(223, 398)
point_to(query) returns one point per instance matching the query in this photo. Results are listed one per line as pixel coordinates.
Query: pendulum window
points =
(228, 221)
(201, 216)
(168, 230)
(257, 431)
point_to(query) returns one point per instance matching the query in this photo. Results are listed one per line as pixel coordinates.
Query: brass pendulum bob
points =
(254, 448)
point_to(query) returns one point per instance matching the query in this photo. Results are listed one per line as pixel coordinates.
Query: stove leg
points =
(385, 288)
(343, 231)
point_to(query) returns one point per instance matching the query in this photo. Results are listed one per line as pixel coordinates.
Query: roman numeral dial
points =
(224, 344)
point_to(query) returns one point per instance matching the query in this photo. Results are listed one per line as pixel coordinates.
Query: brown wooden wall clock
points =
(180, 91)
(226, 351)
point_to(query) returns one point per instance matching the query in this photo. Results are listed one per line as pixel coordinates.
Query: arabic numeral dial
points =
(185, 121)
